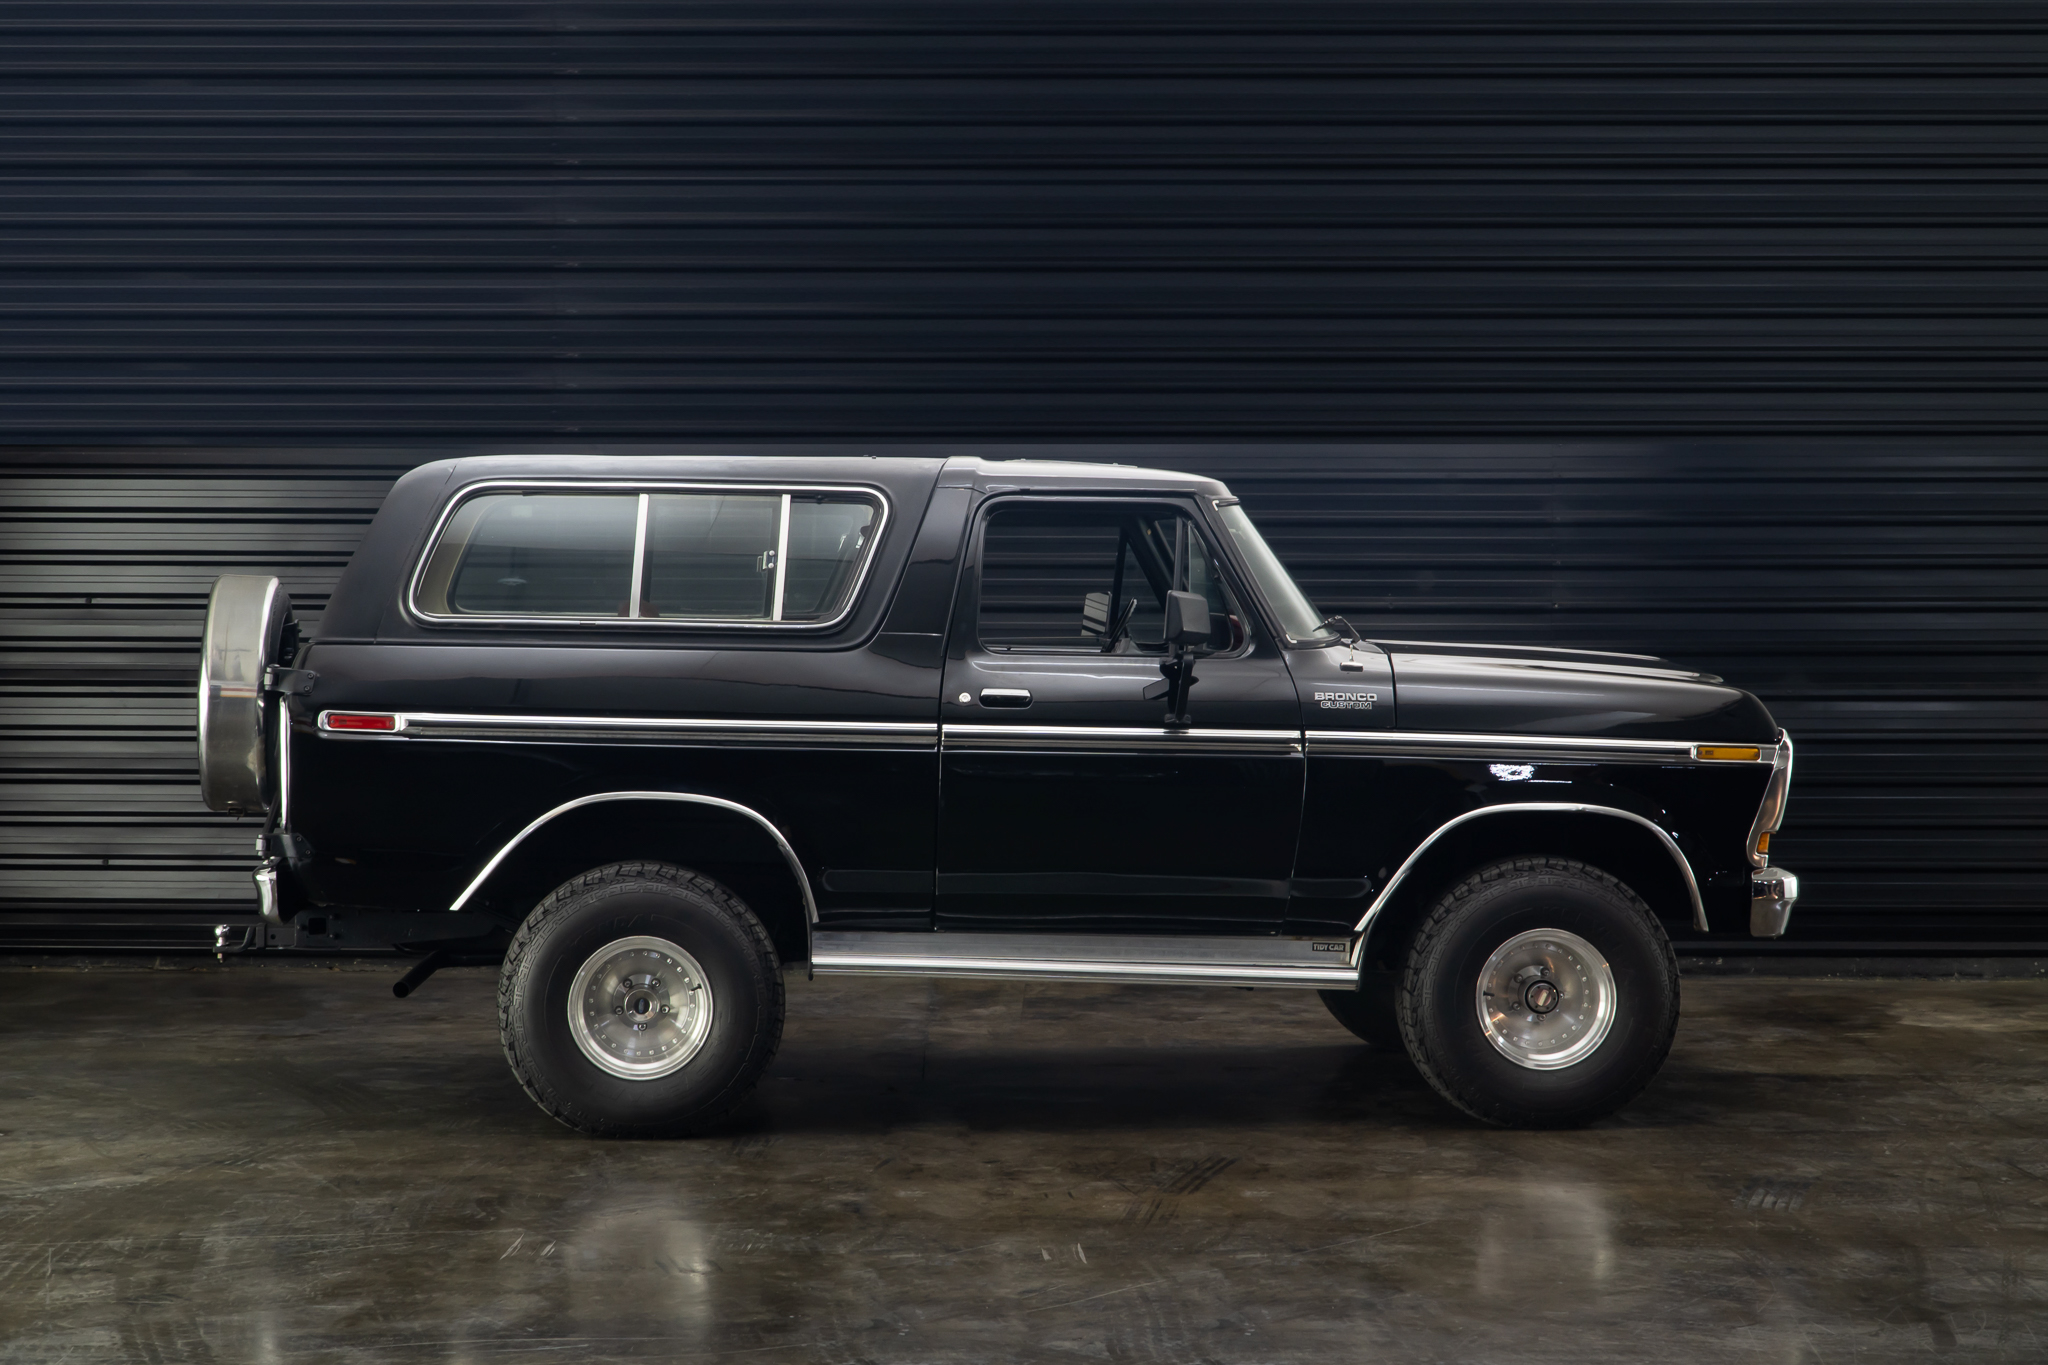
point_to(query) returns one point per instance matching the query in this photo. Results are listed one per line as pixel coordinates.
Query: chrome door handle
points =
(1010, 697)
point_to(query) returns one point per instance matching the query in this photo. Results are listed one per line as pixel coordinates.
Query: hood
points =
(1513, 689)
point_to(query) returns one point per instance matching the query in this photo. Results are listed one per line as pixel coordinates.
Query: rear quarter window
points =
(534, 554)
(741, 556)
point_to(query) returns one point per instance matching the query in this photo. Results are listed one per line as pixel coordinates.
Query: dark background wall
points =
(1707, 330)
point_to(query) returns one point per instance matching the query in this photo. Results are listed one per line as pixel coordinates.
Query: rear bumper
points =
(1772, 893)
(266, 891)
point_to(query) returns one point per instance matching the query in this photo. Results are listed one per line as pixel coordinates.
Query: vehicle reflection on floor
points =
(275, 1162)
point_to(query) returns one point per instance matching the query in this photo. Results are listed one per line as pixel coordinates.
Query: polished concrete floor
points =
(257, 1162)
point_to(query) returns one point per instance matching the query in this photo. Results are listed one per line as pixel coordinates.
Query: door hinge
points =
(292, 682)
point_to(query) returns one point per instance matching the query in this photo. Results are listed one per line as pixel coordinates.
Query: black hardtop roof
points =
(365, 601)
(775, 464)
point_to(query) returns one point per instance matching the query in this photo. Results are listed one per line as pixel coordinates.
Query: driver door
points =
(1066, 802)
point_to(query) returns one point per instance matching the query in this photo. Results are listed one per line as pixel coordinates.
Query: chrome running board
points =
(1312, 963)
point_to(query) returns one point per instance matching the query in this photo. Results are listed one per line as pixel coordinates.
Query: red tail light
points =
(357, 720)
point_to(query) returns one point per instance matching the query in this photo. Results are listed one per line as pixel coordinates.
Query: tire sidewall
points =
(1444, 983)
(583, 926)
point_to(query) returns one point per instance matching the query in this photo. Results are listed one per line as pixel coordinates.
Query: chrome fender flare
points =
(1363, 929)
(796, 866)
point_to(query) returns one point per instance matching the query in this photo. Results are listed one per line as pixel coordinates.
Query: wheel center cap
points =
(1541, 997)
(641, 1004)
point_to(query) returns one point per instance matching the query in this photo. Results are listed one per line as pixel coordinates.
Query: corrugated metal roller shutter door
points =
(1886, 605)
(1697, 269)
(105, 565)
(1889, 615)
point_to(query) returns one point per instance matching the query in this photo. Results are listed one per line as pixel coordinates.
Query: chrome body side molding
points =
(1066, 738)
(1422, 744)
(1313, 964)
(1699, 910)
(645, 487)
(657, 730)
(1118, 739)
(789, 854)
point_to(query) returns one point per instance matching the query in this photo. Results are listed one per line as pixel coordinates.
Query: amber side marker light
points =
(1727, 753)
(354, 720)
(1763, 842)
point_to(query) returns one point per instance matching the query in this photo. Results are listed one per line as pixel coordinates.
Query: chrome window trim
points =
(782, 557)
(644, 488)
(1692, 886)
(639, 582)
(1236, 580)
(533, 729)
(967, 737)
(690, 798)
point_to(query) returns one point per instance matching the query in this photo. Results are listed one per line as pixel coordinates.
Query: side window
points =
(711, 556)
(534, 554)
(756, 556)
(1093, 578)
(828, 537)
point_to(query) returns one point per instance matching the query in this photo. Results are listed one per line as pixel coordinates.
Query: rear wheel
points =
(640, 1000)
(1540, 992)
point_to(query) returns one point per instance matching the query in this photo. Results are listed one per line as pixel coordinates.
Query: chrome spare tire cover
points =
(245, 620)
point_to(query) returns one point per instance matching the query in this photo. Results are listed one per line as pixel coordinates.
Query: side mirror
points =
(1095, 613)
(1187, 619)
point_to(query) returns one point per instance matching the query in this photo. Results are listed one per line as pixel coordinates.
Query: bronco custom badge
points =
(1346, 701)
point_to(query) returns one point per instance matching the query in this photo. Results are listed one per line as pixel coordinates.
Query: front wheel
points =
(640, 1000)
(1539, 993)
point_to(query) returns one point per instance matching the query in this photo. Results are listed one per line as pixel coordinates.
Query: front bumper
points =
(1772, 893)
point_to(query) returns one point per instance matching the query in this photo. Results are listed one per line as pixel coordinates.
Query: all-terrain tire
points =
(1443, 1013)
(724, 952)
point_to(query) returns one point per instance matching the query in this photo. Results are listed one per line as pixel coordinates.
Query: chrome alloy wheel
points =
(1546, 999)
(640, 1008)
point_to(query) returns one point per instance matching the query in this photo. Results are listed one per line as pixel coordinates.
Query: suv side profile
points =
(653, 731)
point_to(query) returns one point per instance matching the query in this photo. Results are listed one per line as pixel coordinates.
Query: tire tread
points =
(1409, 1000)
(628, 878)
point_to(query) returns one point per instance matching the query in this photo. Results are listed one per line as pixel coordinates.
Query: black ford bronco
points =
(654, 730)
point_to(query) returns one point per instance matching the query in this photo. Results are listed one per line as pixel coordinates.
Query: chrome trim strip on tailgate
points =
(1313, 964)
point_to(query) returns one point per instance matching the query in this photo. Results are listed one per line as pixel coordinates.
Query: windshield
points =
(1297, 617)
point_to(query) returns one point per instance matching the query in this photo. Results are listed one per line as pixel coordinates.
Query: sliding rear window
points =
(753, 556)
